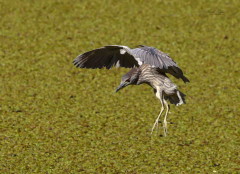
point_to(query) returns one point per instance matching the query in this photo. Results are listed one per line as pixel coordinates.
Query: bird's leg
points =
(180, 98)
(157, 120)
(160, 96)
(165, 118)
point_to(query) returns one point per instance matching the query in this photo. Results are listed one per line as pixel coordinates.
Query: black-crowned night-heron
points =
(149, 65)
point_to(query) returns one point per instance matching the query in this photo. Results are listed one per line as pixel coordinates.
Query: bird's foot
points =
(155, 125)
(165, 128)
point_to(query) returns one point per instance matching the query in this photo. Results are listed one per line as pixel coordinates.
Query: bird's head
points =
(124, 83)
(129, 79)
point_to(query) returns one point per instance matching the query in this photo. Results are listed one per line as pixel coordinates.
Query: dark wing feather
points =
(107, 56)
(159, 59)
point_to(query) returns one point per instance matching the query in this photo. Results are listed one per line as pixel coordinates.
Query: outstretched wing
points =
(156, 58)
(108, 56)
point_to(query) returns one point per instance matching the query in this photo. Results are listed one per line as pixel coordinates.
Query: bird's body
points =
(155, 79)
(149, 66)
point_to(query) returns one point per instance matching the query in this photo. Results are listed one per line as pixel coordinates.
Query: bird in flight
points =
(148, 65)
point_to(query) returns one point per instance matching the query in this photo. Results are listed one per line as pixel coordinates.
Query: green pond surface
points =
(56, 118)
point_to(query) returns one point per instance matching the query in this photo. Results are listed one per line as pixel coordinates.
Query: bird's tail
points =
(174, 99)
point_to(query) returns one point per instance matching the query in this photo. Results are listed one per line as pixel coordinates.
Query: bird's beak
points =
(122, 85)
